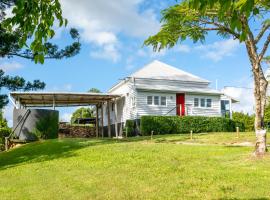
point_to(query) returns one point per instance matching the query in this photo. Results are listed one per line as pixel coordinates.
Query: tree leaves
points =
(194, 19)
(16, 83)
(35, 20)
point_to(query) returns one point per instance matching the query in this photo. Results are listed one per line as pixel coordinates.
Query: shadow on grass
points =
(46, 150)
(262, 198)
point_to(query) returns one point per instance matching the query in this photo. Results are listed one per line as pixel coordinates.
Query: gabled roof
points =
(160, 70)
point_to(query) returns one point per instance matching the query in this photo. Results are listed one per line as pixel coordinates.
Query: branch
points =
(222, 27)
(265, 46)
(259, 36)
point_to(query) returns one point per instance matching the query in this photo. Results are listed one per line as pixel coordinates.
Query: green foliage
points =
(130, 128)
(175, 124)
(246, 119)
(267, 114)
(82, 113)
(47, 127)
(16, 83)
(194, 19)
(94, 90)
(27, 31)
(5, 131)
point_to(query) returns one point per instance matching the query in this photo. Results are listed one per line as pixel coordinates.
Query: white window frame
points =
(205, 102)
(198, 99)
(151, 100)
(165, 101)
(211, 102)
(202, 99)
(159, 100)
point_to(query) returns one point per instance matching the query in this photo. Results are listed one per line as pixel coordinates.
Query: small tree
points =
(94, 90)
(82, 113)
(194, 19)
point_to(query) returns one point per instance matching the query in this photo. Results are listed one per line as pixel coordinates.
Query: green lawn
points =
(137, 168)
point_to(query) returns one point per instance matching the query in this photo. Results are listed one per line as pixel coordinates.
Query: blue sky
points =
(112, 35)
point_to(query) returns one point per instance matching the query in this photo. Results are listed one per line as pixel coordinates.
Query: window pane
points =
(196, 102)
(156, 100)
(202, 102)
(209, 103)
(163, 101)
(149, 100)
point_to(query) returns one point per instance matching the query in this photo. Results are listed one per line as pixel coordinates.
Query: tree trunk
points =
(260, 87)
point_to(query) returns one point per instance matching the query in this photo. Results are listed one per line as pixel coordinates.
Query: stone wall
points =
(79, 131)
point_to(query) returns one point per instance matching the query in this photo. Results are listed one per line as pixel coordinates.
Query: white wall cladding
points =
(144, 109)
(174, 84)
(215, 110)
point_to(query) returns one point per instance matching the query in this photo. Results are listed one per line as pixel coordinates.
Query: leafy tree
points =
(26, 33)
(94, 90)
(32, 22)
(16, 83)
(194, 19)
(82, 113)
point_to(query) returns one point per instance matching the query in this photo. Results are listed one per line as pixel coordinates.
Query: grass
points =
(136, 168)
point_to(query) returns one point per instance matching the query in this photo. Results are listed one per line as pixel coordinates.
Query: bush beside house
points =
(175, 124)
(244, 118)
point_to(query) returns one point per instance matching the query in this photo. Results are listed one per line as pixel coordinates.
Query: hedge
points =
(176, 124)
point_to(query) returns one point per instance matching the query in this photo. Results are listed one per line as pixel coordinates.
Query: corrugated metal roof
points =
(45, 99)
(160, 70)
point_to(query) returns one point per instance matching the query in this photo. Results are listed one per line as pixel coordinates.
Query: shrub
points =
(4, 132)
(175, 124)
(245, 119)
(130, 128)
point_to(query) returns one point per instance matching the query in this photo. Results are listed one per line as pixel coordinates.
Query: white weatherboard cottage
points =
(160, 89)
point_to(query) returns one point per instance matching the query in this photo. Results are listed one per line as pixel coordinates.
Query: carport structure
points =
(67, 99)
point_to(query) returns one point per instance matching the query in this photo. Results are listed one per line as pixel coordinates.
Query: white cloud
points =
(8, 114)
(148, 52)
(101, 21)
(109, 52)
(65, 117)
(65, 87)
(244, 96)
(182, 48)
(218, 50)
(10, 66)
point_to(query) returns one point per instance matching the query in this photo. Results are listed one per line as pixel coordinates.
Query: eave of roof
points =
(58, 99)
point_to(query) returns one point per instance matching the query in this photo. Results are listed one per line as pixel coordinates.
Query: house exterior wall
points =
(144, 109)
(133, 103)
(214, 111)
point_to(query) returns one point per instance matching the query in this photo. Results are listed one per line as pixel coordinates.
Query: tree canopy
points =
(27, 32)
(94, 90)
(82, 113)
(16, 83)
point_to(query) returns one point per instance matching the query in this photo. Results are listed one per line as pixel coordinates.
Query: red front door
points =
(180, 104)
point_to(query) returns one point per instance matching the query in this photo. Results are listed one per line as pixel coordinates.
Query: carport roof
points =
(60, 99)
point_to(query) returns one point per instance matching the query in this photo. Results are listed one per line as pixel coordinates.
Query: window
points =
(149, 100)
(133, 101)
(208, 103)
(202, 102)
(163, 101)
(112, 107)
(156, 100)
(196, 102)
